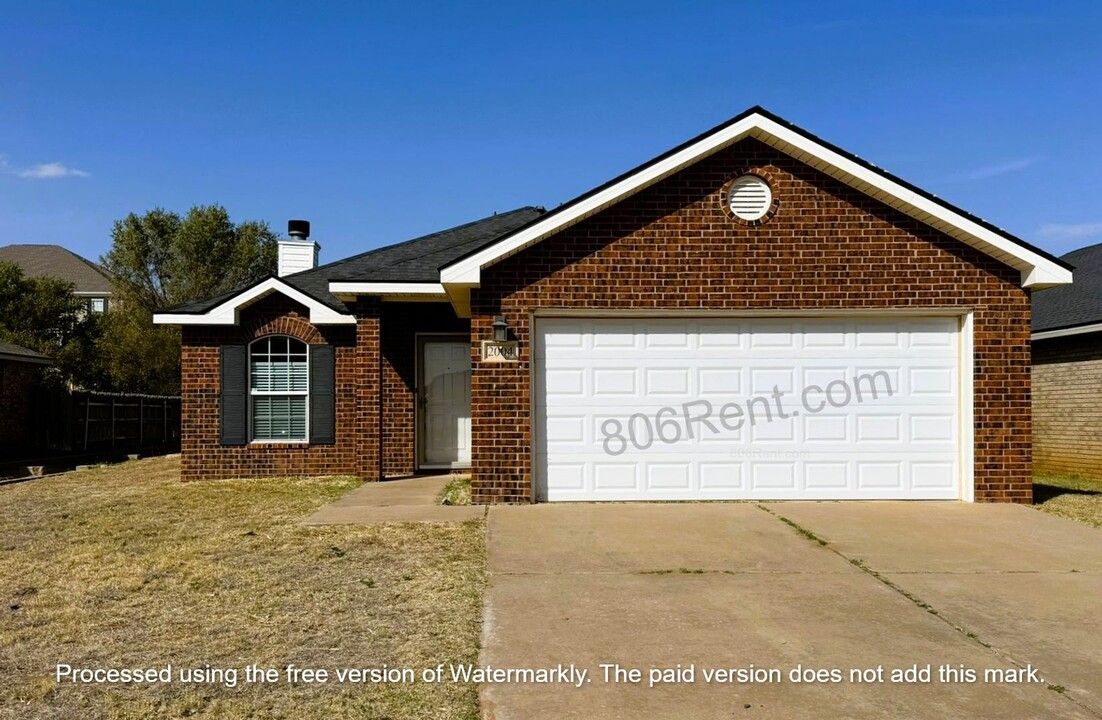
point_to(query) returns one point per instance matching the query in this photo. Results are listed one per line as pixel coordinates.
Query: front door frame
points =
(419, 340)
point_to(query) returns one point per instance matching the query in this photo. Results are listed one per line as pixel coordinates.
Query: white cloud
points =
(49, 171)
(991, 171)
(1056, 231)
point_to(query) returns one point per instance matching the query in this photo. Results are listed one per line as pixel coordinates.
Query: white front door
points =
(445, 404)
(748, 408)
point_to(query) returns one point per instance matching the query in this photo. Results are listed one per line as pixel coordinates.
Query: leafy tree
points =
(160, 259)
(42, 314)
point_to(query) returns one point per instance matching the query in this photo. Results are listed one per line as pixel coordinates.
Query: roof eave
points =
(1086, 329)
(228, 311)
(1038, 270)
(31, 359)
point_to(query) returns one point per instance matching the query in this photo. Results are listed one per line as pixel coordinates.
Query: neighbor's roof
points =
(1073, 306)
(56, 261)
(412, 261)
(11, 351)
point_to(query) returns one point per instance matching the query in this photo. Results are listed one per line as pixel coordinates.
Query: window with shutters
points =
(279, 389)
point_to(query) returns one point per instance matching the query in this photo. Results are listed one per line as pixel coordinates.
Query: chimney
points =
(298, 252)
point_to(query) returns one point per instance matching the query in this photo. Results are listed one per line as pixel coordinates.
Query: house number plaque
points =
(499, 351)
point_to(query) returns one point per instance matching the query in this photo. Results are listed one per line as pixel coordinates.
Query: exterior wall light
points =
(501, 329)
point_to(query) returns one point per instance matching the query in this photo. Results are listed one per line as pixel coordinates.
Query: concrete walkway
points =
(406, 500)
(728, 585)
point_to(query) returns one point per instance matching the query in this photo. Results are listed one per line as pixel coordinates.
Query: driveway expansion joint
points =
(1059, 689)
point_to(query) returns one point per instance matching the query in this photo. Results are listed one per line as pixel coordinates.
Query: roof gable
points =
(408, 269)
(1038, 268)
(226, 309)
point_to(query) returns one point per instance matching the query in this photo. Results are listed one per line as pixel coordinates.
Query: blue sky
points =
(381, 121)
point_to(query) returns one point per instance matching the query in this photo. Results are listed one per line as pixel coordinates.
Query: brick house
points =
(753, 314)
(19, 373)
(1067, 371)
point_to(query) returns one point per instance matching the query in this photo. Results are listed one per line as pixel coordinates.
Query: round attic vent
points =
(750, 198)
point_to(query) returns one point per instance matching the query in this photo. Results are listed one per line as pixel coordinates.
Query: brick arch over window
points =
(294, 326)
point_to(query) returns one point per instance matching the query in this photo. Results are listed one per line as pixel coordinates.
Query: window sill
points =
(279, 442)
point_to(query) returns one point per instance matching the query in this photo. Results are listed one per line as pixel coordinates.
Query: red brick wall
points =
(380, 350)
(16, 382)
(827, 246)
(400, 324)
(357, 450)
(1067, 417)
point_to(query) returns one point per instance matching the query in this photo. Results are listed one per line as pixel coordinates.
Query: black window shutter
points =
(235, 395)
(323, 382)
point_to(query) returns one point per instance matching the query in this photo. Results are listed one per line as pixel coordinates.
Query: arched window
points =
(279, 389)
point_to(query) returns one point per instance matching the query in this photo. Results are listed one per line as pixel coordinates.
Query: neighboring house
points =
(91, 282)
(1067, 371)
(19, 372)
(753, 314)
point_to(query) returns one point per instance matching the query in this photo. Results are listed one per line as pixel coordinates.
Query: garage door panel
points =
(931, 381)
(568, 432)
(617, 477)
(933, 475)
(933, 429)
(611, 382)
(820, 478)
(883, 419)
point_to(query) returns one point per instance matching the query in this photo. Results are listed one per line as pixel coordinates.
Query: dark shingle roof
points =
(56, 261)
(11, 351)
(1077, 304)
(413, 261)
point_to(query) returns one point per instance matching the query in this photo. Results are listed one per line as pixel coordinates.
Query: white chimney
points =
(298, 252)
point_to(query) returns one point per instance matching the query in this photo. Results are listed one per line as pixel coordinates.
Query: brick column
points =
(369, 381)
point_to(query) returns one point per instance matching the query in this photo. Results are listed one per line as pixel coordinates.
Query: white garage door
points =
(730, 408)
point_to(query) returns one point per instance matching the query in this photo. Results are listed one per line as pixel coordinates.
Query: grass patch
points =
(125, 566)
(457, 491)
(1071, 497)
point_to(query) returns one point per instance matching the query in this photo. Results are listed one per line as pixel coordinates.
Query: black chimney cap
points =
(298, 228)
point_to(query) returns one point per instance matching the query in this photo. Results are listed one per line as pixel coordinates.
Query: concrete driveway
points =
(783, 586)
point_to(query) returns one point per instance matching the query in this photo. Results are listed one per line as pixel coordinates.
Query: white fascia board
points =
(227, 313)
(386, 288)
(1037, 271)
(1066, 332)
(1041, 277)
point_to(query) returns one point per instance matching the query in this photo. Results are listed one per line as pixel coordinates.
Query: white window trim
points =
(266, 393)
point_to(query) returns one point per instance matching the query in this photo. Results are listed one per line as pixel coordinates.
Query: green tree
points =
(160, 259)
(42, 314)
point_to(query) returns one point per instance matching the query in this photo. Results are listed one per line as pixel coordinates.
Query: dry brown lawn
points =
(125, 566)
(1071, 497)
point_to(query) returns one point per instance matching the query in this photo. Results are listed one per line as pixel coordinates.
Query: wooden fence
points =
(83, 422)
